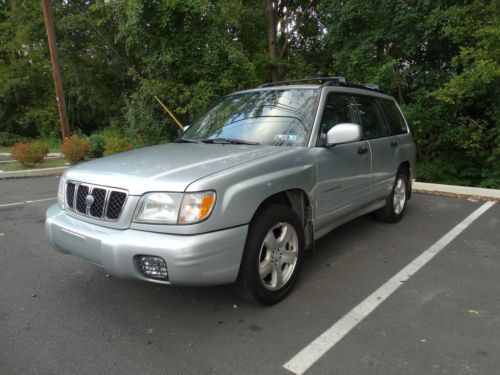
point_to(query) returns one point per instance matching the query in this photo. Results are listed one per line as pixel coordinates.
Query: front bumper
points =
(202, 259)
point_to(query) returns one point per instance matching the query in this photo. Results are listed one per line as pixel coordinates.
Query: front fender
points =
(241, 190)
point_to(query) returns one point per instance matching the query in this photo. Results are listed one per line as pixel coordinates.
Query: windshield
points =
(268, 117)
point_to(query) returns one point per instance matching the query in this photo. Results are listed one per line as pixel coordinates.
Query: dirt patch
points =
(478, 198)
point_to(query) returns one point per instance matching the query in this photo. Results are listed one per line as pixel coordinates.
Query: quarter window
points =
(371, 118)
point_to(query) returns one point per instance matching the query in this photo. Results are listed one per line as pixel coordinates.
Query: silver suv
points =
(243, 194)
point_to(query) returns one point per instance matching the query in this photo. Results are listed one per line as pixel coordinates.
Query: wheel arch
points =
(405, 167)
(299, 201)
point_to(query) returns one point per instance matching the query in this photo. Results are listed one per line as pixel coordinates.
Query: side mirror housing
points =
(343, 133)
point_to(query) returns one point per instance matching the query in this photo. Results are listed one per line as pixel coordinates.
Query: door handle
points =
(362, 150)
(394, 143)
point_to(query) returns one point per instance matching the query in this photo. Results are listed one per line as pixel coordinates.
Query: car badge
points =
(89, 200)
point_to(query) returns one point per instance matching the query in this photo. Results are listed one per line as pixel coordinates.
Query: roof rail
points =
(325, 81)
(371, 86)
(339, 81)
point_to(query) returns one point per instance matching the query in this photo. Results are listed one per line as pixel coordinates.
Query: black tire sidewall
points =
(258, 230)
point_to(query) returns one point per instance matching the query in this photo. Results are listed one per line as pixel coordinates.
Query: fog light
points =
(152, 267)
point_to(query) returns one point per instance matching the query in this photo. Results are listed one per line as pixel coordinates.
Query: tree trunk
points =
(272, 32)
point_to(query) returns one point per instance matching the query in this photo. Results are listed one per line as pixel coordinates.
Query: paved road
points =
(60, 314)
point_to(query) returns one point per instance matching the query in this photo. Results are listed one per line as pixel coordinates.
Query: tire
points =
(395, 205)
(260, 280)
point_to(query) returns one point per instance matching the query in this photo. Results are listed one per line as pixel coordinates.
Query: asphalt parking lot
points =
(60, 314)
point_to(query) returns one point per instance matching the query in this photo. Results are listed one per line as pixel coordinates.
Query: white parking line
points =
(26, 202)
(327, 340)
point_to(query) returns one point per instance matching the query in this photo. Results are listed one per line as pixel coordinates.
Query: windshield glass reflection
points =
(270, 117)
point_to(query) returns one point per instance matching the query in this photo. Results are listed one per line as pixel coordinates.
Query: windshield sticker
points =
(285, 137)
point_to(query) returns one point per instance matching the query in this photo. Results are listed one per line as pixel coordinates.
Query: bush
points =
(115, 144)
(9, 139)
(97, 143)
(75, 149)
(30, 154)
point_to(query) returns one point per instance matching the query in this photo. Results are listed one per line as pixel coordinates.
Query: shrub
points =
(9, 139)
(75, 149)
(97, 143)
(115, 144)
(30, 154)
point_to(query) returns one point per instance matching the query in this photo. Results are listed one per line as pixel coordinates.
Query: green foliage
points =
(97, 143)
(9, 139)
(75, 149)
(116, 144)
(440, 59)
(30, 154)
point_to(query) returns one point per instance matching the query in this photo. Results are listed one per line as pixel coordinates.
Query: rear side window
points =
(371, 118)
(393, 116)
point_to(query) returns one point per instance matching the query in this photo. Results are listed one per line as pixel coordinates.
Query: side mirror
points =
(343, 133)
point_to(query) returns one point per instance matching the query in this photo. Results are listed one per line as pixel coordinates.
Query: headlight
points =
(175, 208)
(60, 191)
(161, 208)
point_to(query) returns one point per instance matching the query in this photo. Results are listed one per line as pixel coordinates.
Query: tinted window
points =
(393, 116)
(371, 118)
(338, 109)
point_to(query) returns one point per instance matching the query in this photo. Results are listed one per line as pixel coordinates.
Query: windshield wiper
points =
(186, 140)
(228, 141)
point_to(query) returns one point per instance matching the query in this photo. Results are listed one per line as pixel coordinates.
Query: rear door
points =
(382, 144)
(343, 170)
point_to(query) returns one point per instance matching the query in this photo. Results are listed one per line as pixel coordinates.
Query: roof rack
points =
(324, 81)
(367, 86)
(339, 81)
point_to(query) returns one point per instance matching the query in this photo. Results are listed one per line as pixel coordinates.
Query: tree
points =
(284, 18)
(439, 58)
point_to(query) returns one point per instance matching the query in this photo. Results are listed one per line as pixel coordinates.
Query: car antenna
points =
(170, 113)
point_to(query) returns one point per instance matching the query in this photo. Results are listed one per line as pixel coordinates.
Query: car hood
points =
(168, 167)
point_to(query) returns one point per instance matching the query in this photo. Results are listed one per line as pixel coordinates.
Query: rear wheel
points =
(272, 257)
(395, 205)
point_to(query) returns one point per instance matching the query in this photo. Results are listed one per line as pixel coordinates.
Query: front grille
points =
(70, 194)
(81, 195)
(97, 208)
(116, 200)
(98, 202)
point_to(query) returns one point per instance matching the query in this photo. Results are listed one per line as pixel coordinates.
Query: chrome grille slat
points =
(107, 203)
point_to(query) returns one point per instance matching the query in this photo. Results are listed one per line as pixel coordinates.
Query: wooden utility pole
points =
(56, 69)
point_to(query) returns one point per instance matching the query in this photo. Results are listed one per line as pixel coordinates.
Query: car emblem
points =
(89, 200)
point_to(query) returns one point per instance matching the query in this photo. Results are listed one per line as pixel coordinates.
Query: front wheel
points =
(272, 257)
(395, 205)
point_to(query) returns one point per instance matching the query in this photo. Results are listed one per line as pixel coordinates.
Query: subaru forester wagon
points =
(244, 192)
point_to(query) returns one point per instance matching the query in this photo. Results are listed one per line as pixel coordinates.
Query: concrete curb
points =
(42, 172)
(461, 192)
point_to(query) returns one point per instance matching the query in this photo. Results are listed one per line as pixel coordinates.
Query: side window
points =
(371, 118)
(394, 118)
(339, 109)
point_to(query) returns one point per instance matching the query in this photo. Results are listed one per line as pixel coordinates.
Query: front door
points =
(343, 170)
